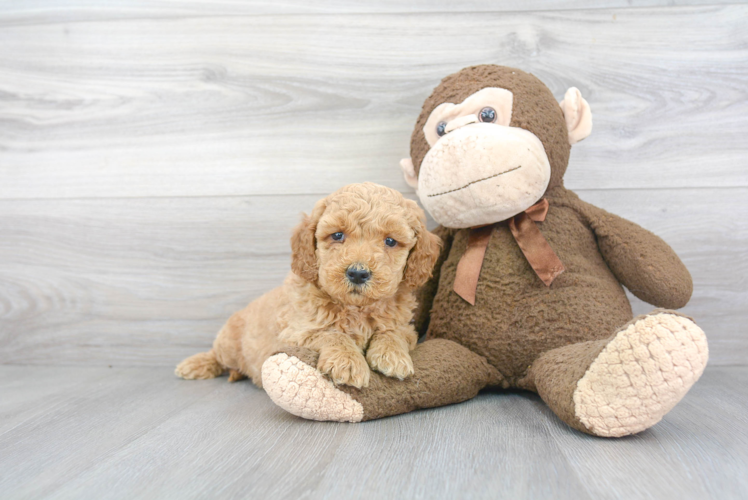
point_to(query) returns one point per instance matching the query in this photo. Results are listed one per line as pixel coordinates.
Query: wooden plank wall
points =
(155, 155)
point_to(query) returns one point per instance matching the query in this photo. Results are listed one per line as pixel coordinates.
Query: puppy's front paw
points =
(390, 360)
(346, 367)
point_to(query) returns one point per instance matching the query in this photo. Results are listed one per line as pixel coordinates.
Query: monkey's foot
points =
(641, 374)
(300, 389)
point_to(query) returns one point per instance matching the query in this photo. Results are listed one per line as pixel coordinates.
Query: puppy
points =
(356, 261)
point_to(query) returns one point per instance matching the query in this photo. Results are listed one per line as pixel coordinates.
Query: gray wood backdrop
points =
(155, 155)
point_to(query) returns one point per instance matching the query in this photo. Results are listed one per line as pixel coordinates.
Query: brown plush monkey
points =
(528, 291)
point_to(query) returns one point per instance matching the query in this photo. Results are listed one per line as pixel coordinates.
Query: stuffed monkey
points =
(528, 290)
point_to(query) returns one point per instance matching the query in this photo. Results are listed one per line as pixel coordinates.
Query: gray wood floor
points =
(74, 432)
(154, 156)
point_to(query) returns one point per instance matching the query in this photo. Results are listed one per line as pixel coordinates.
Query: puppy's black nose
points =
(357, 275)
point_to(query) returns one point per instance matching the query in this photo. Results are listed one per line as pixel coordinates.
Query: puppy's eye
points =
(487, 115)
(337, 236)
(440, 128)
(390, 242)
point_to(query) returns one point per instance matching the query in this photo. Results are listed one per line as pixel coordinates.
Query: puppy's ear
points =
(304, 244)
(423, 255)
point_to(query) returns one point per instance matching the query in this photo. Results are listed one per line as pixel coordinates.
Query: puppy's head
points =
(362, 243)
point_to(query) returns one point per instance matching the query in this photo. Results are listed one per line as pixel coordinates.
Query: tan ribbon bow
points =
(531, 241)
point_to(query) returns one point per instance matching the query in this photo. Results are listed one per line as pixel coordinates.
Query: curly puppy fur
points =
(352, 326)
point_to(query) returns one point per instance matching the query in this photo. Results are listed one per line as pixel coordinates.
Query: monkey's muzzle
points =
(482, 173)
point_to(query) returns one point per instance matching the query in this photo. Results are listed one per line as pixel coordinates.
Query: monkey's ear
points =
(578, 115)
(409, 172)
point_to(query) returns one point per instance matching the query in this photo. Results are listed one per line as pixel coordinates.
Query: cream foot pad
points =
(641, 374)
(304, 391)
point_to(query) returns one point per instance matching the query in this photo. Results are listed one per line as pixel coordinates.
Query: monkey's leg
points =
(444, 373)
(626, 383)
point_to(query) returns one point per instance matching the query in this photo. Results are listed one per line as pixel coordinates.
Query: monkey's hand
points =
(640, 260)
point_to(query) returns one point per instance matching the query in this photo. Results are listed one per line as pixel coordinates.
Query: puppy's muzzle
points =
(357, 274)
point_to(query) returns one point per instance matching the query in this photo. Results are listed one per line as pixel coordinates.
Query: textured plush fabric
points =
(534, 108)
(561, 340)
(640, 375)
(641, 261)
(516, 317)
(482, 173)
(445, 373)
(578, 116)
(299, 388)
(554, 376)
(611, 387)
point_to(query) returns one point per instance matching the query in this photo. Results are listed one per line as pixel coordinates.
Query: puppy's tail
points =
(200, 366)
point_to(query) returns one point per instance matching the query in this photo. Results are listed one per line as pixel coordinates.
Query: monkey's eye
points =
(337, 236)
(440, 128)
(487, 115)
(390, 242)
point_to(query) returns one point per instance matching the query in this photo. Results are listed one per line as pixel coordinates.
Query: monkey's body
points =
(516, 317)
(490, 142)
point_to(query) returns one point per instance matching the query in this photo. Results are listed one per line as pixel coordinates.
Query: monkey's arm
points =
(425, 294)
(641, 261)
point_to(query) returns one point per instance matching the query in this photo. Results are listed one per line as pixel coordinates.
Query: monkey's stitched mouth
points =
(475, 182)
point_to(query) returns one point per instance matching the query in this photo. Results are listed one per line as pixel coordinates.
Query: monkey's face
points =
(479, 169)
(489, 143)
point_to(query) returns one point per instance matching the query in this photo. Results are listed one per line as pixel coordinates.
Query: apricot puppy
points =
(356, 261)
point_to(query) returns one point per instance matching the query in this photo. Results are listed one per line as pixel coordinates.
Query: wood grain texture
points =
(81, 426)
(142, 433)
(40, 11)
(297, 104)
(150, 281)
(26, 392)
